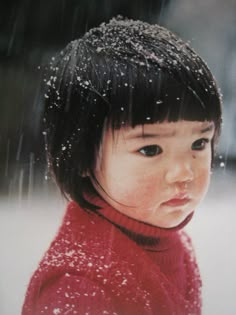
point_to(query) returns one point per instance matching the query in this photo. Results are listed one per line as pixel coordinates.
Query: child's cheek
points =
(201, 182)
(137, 191)
(205, 178)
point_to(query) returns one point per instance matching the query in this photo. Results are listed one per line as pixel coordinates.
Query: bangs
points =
(143, 95)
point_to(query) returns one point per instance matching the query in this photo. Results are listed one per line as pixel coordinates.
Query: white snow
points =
(28, 226)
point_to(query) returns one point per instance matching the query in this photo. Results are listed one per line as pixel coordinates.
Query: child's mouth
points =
(178, 200)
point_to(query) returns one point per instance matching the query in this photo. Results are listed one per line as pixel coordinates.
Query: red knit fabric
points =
(112, 264)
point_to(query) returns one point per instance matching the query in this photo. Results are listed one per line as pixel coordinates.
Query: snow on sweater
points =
(112, 264)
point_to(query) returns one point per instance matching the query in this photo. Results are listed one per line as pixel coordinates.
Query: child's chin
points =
(175, 219)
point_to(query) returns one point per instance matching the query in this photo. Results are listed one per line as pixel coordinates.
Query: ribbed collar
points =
(148, 236)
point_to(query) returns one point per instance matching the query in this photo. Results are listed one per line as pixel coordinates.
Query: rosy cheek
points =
(143, 192)
(128, 196)
(203, 180)
(131, 193)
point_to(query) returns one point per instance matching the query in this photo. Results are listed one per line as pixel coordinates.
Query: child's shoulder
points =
(85, 239)
(89, 247)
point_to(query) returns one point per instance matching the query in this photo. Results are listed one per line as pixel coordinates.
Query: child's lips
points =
(178, 200)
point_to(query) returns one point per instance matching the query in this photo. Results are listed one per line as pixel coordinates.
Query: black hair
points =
(123, 73)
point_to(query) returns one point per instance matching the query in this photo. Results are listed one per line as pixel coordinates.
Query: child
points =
(131, 119)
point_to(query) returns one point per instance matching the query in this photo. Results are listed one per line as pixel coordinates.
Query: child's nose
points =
(179, 172)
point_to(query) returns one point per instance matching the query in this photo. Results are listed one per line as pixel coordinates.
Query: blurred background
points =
(31, 32)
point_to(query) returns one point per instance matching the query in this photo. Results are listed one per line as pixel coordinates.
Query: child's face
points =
(156, 173)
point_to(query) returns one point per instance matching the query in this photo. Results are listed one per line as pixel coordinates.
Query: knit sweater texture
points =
(108, 263)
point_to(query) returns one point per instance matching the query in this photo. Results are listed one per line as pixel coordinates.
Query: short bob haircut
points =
(124, 73)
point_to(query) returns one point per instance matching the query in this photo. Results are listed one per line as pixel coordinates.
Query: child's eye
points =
(200, 144)
(150, 150)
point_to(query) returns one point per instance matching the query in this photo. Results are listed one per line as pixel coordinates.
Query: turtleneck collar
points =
(146, 235)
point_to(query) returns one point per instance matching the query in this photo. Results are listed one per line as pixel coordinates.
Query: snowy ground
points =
(27, 227)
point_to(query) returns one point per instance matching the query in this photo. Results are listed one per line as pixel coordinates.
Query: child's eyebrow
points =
(142, 134)
(149, 135)
(208, 128)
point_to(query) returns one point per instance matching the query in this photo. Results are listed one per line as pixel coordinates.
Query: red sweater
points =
(112, 264)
